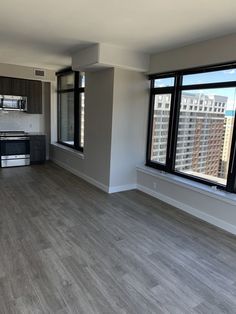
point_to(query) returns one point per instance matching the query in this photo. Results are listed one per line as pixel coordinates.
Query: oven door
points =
(15, 151)
(15, 146)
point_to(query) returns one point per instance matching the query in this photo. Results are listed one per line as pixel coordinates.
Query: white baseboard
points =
(103, 187)
(193, 211)
(121, 188)
(98, 184)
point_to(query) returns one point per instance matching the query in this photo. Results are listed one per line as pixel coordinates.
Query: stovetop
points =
(12, 133)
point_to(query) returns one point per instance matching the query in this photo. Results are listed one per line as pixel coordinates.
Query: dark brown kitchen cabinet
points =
(5, 86)
(32, 89)
(34, 97)
(37, 149)
(19, 87)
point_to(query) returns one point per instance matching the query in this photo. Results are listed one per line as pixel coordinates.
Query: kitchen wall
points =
(13, 120)
(21, 121)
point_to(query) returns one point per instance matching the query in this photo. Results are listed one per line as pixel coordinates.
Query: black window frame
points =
(78, 91)
(176, 91)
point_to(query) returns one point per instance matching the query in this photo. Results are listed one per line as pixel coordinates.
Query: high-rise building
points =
(226, 145)
(200, 134)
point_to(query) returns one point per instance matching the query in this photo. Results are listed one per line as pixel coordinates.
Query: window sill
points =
(213, 192)
(69, 149)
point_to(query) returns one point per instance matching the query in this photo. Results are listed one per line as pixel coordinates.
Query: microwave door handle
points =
(19, 104)
(22, 105)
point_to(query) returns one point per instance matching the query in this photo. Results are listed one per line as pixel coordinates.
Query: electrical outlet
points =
(154, 185)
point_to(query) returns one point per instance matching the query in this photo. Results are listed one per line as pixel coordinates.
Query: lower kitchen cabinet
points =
(37, 149)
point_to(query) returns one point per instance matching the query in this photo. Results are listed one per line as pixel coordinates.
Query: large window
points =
(71, 104)
(192, 125)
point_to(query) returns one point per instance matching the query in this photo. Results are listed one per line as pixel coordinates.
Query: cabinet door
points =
(19, 87)
(37, 149)
(34, 97)
(5, 85)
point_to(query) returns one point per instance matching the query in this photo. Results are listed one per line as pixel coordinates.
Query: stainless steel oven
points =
(15, 149)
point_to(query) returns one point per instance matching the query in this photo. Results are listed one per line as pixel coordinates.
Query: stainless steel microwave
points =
(8, 102)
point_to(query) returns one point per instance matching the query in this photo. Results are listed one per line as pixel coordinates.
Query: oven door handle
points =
(15, 138)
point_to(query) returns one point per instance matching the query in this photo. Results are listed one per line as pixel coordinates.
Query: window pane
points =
(210, 77)
(67, 81)
(82, 79)
(160, 128)
(205, 133)
(164, 82)
(82, 104)
(67, 118)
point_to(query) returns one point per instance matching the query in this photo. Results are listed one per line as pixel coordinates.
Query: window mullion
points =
(150, 124)
(173, 126)
(170, 132)
(58, 112)
(76, 112)
(231, 177)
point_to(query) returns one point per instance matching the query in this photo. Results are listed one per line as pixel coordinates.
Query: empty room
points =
(117, 157)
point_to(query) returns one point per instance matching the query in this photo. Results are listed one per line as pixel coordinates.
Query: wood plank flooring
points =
(66, 247)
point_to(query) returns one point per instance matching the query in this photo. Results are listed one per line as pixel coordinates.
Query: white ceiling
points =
(45, 33)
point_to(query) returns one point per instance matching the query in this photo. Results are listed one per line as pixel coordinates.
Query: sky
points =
(209, 77)
(215, 77)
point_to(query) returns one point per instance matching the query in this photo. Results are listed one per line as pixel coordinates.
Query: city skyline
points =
(204, 134)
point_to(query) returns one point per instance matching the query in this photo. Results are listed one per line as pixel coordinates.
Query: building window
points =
(213, 131)
(71, 104)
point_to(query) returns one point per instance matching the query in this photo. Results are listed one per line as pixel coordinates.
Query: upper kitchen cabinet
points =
(20, 87)
(6, 86)
(34, 97)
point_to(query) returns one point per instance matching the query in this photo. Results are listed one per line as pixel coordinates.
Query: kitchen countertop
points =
(35, 133)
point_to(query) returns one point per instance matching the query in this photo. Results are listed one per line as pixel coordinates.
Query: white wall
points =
(215, 207)
(20, 121)
(120, 57)
(19, 71)
(98, 113)
(100, 56)
(218, 208)
(115, 134)
(116, 106)
(129, 127)
(95, 165)
(209, 52)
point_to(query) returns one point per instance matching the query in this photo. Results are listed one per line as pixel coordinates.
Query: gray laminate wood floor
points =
(66, 247)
